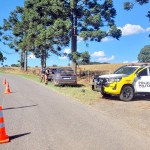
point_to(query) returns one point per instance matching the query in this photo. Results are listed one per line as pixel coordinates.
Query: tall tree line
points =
(47, 26)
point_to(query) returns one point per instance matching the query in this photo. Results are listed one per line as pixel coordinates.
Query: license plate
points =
(66, 78)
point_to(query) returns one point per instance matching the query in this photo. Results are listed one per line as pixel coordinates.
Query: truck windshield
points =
(126, 70)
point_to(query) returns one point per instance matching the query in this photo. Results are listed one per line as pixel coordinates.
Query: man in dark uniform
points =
(43, 73)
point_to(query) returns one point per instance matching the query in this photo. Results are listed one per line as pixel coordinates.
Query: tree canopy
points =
(45, 27)
(129, 5)
(144, 55)
(48, 29)
(14, 31)
(80, 58)
(91, 20)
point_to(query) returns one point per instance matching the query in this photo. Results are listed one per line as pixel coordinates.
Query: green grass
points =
(80, 93)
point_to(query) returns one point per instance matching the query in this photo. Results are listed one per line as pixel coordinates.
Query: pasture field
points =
(101, 67)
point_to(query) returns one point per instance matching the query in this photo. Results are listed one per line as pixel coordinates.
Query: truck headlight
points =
(111, 80)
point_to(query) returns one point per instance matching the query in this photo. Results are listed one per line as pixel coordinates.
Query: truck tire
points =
(127, 93)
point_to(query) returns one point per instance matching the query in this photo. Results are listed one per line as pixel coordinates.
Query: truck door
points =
(142, 81)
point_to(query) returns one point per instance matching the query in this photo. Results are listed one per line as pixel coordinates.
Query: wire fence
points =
(88, 75)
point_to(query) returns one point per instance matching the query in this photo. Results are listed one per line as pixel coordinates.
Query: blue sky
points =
(134, 24)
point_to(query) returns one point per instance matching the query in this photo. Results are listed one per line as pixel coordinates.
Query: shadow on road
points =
(19, 107)
(142, 98)
(18, 136)
(136, 98)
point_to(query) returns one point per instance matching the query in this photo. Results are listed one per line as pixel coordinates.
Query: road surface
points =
(37, 118)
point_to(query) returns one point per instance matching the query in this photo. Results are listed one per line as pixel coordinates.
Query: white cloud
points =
(101, 56)
(67, 51)
(135, 61)
(148, 29)
(106, 39)
(130, 29)
(125, 62)
(98, 54)
(63, 58)
(106, 59)
(79, 39)
(31, 56)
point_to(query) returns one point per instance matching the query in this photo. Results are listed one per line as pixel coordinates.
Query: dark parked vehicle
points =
(64, 76)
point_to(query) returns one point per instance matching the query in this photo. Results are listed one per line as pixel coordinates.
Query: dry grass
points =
(83, 71)
(92, 68)
(101, 67)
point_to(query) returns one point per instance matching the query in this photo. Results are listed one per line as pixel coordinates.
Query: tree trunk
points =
(74, 35)
(22, 60)
(43, 58)
(25, 61)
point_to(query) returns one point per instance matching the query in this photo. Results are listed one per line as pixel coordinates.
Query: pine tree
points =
(14, 30)
(92, 21)
(47, 28)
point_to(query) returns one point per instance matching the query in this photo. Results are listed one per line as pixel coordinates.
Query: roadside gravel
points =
(134, 114)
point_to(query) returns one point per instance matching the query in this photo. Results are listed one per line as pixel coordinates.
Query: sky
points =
(134, 25)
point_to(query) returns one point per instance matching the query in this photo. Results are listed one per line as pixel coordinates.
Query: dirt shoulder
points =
(134, 114)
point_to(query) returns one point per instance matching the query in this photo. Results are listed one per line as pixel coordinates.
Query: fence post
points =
(88, 75)
(80, 72)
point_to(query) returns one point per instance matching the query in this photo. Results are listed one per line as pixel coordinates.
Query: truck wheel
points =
(127, 93)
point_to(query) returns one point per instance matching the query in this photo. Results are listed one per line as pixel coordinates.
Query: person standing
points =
(46, 75)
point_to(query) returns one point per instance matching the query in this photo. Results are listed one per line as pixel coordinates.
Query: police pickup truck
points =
(126, 82)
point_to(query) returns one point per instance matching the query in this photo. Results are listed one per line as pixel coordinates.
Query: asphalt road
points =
(37, 118)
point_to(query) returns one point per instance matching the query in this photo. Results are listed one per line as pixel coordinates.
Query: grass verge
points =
(82, 92)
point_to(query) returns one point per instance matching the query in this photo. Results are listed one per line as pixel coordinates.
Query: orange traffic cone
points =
(4, 82)
(7, 90)
(3, 137)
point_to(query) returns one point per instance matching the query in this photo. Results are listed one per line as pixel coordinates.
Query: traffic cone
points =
(3, 137)
(7, 90)
(4, 82)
